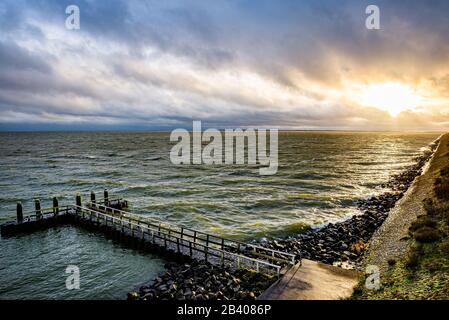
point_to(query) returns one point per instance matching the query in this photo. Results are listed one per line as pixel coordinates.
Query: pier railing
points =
(203, 238)
(45, 213)
(174, 240)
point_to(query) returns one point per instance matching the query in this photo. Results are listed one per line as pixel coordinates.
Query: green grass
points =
(422, 275)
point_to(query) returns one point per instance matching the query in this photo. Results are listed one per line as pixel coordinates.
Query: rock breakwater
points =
(198, 280)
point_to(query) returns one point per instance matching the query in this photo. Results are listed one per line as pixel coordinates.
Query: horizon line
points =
(244, 128)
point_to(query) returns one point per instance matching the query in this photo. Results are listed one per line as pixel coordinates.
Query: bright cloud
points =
(152, 64)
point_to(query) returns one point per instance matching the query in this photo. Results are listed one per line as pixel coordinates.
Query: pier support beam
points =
(37, 205)
(19, 212)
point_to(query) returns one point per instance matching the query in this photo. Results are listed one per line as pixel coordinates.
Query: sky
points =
(159, 65)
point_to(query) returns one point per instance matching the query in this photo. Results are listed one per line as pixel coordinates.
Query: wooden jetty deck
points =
(108, 216)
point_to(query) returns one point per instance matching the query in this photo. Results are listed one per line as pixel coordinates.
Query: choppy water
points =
(34, 266)
(320, 176)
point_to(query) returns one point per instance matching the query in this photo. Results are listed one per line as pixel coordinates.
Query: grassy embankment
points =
(423, 273)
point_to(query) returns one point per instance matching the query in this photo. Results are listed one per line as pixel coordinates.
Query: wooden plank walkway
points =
(201, 238)
(178, 241)
(311, 280)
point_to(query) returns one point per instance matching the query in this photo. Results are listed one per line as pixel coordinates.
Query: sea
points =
(320, 177)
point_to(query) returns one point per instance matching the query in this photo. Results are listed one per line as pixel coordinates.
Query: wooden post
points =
(92, 197)
(37, 205)
(55, 206)
(19, 212)
(106, 197)
(78, 200)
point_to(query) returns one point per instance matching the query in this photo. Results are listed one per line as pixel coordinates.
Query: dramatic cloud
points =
(162, 64)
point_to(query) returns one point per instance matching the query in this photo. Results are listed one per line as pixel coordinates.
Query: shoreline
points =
(392, 240)
(344, 243)
(341, 244)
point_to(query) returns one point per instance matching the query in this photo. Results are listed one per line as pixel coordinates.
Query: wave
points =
(97, 182)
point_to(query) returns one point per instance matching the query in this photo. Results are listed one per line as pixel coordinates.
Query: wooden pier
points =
(111, 218)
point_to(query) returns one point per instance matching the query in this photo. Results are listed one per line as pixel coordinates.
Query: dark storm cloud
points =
(12, 57)
(105, 69)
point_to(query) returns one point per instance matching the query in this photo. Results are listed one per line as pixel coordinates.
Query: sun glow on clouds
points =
(393, 97)
(143, 64)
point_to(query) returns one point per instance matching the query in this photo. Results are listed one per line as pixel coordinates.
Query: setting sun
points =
(393, 97)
